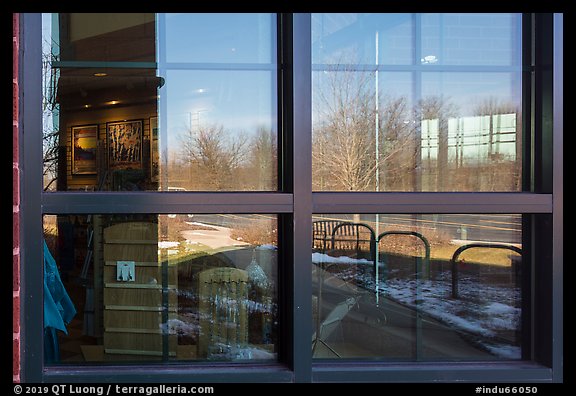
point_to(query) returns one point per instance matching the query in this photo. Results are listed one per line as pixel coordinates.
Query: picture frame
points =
(84, 146)
(154, 150)
(124, 139)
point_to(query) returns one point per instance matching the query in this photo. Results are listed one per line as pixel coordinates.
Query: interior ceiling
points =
(86, 25)
(109, 37)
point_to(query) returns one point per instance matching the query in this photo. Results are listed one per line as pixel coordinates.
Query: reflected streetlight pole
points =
(377, 134)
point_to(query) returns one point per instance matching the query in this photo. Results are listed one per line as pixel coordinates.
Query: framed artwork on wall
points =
(124, 144)
(154, 150)
(84, 141)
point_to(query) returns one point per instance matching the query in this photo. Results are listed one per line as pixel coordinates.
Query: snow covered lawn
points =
(488, 313)
(483, 310)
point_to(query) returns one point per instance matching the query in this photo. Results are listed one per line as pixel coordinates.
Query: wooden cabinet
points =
(137, 312)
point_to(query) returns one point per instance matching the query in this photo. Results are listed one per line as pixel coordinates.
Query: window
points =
(417, 287)
(142, 102)
(298, 197)
(159, 288)
(173, 102)
(417, 102)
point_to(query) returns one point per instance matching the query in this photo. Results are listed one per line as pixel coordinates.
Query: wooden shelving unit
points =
(136, 312)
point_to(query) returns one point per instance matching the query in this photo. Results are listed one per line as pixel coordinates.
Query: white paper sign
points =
(125, 271)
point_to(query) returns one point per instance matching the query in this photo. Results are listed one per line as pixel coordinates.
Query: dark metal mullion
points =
(191, 372)
(521, 372)
(31, 247)
(165, 202)
(558, 191)
(283, 84)
(527, 91)
(533, 173)
(526, 284)
(302, 188)
(542, 103)
(431, 202)
(285, 178)
(543, 177)
(528, 261)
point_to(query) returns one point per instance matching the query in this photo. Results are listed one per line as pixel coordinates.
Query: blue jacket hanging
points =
(58, 307)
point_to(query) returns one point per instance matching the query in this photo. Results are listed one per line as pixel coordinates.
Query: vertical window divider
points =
(302, 190)
(558, 194)
(32, 269)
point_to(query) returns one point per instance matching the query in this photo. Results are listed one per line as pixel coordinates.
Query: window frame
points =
(541, 204)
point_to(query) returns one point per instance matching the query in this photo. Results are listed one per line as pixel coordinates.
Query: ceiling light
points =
(100, 74)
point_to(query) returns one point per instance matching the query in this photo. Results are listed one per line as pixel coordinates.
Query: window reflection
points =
(202, 117)
(390, 39)
(221, 130)
(339, 38)
(161, 287)
(471, 39)
(221, 38)
(430, 125)
(103, 37)
(445, 287)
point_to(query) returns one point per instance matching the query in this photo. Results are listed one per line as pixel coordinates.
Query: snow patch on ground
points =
(267, 247)
(482, 310)
(476, 311)
(167, 244)
(326, 259)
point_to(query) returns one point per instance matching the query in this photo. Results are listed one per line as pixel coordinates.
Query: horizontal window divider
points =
(521, 372)
(431, 202)
(421, 68)
(166, 202)
(170, 374)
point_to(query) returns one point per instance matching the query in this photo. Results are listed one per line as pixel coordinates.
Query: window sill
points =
(169, 373)
(521, 371)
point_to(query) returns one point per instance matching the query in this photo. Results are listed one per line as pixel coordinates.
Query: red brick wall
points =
(15, 203)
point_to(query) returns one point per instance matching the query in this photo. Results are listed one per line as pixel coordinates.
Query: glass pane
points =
(386, 39)
(470, 139)
(416, 125)
(471, 39)
(221, 38)
(446, 287)
(125, 125)
(160, 288)
(221, 130)
(102, 37)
